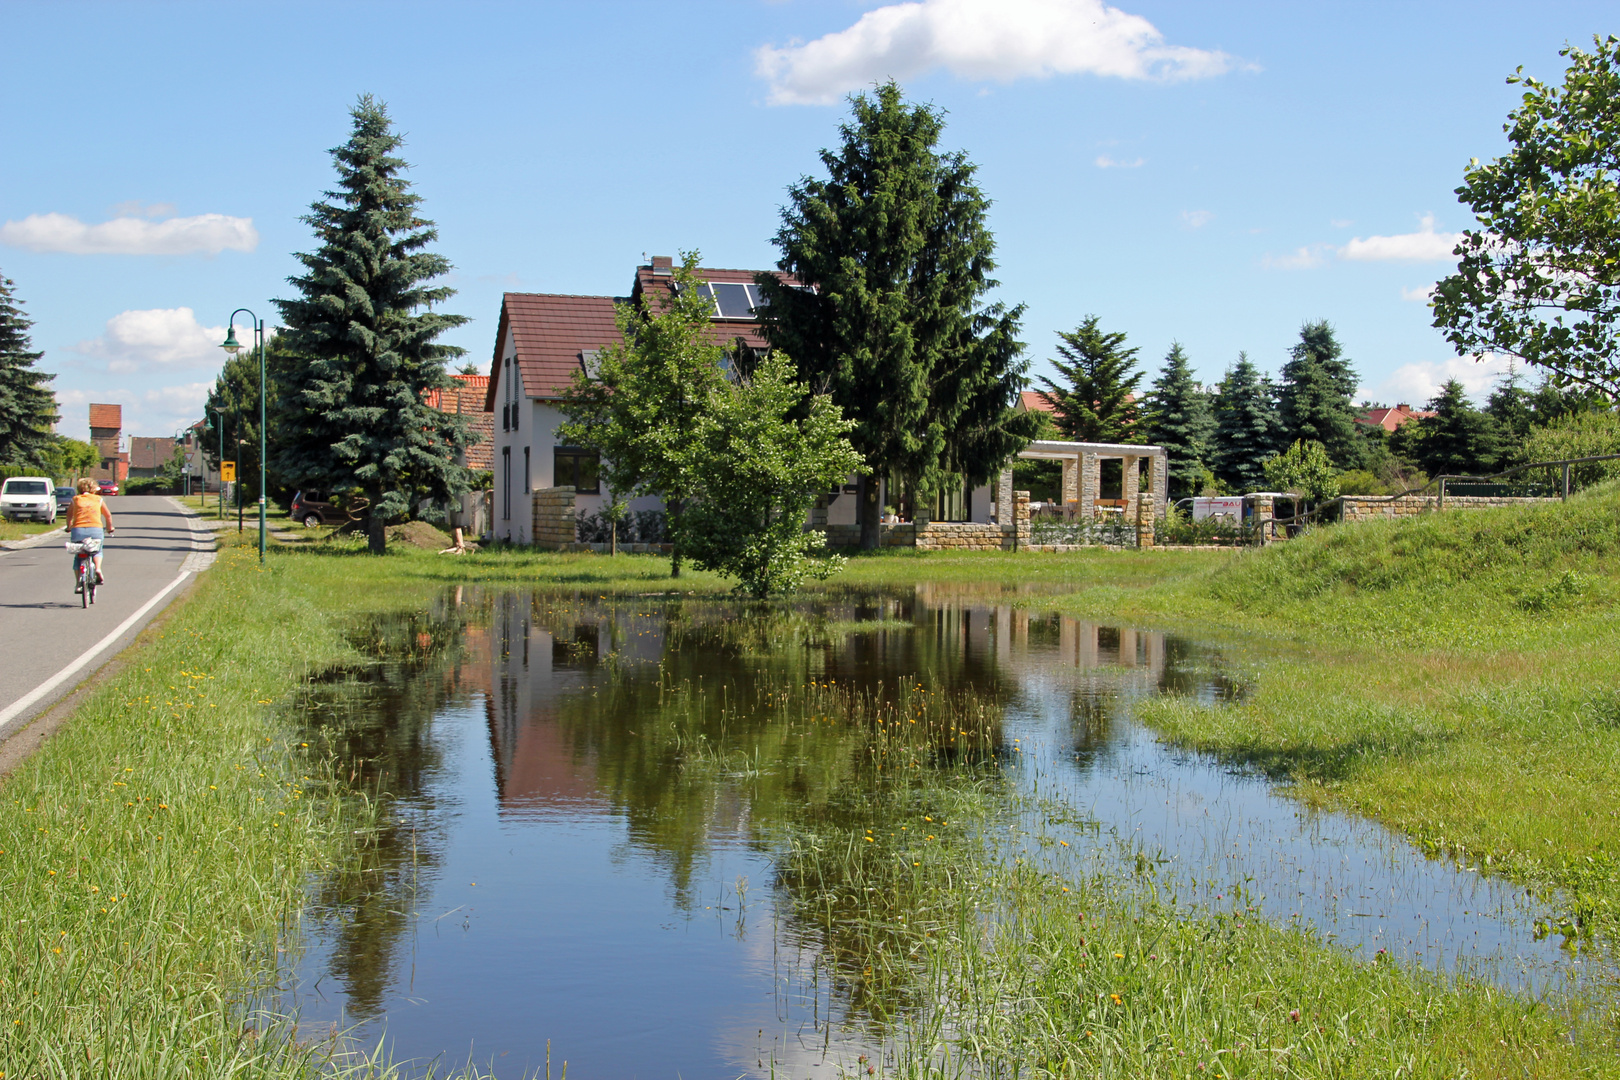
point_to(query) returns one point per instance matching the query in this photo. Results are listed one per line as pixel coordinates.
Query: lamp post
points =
(232, 346)
(219, 429)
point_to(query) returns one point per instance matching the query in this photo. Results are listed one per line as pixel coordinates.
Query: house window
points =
(506, 483)
(525, 470)
(515, 411)
(576, 468)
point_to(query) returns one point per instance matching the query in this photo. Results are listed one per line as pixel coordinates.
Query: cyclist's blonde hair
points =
(86, 485)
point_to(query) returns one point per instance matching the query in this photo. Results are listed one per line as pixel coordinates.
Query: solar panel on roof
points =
(734, 301)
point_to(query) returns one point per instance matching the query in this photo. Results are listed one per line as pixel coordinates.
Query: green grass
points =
(154, 854)
(208, 506)
(21, 530)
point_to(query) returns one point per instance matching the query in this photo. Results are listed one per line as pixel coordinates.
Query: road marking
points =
(16, 707)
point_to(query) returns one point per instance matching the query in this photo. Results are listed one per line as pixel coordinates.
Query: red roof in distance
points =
(106, 416)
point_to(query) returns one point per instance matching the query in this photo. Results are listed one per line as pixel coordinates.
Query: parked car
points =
(28, 498)
(312, 508)
(108, 487)
(64, 498)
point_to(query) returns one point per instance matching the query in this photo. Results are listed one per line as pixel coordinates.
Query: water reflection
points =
(589, 800)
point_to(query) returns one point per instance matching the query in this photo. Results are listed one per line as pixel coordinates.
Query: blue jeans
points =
(86, 532)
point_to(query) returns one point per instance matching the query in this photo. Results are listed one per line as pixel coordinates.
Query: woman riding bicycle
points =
(86, 514)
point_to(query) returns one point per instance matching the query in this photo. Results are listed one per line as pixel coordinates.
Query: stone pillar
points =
(1146, 519)
(1127, 647)
(1264, 508)
(1086, 658)
(818, 514)
(1130, 484)
(1004, 497)
(1159, 482)
(1021, 501)
(1069, 497)
(1090, 485)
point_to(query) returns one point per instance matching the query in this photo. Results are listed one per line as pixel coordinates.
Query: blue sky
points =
(1213, 174)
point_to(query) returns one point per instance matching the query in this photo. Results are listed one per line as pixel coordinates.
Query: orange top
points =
(87, 512)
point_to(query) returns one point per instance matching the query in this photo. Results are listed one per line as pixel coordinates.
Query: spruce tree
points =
(352, 414)
(1457, 439)
(27, 406)
(1316, 400)
(894, 248)
(1096, 400)
(1247, 430)
(1178, 416)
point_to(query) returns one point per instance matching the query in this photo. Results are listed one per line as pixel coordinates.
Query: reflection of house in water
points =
(533, 669)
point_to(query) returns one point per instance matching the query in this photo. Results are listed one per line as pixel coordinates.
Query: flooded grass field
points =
(658, 837)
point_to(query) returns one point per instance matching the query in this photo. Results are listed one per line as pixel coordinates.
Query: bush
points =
(1362, 482)
(1583, 434)
(1178, 527)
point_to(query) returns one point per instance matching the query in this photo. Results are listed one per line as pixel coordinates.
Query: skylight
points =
(733, 300)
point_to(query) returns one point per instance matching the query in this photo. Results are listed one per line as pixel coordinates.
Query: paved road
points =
(44, 631)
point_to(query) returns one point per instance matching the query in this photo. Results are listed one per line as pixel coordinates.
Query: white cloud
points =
(158, 337)
(205, 234)
(979, 39)
(1417, 382)
(1425, 245)
(1300, 259)
(1420, 295)
(1197, 219)
(1106, 162)
(159, 411)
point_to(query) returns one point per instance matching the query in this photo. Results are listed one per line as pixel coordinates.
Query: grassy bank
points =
(154, 854)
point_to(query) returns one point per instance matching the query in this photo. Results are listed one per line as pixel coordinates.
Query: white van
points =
(29, 497)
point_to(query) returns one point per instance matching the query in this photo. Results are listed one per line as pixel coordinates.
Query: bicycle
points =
(84, 568)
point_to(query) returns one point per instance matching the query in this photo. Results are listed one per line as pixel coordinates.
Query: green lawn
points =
(21, 530)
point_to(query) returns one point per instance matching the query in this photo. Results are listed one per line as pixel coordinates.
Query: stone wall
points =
(554, 525)
(1371, 507)
(926, 535)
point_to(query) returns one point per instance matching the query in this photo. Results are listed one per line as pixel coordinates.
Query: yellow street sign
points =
(227, 471)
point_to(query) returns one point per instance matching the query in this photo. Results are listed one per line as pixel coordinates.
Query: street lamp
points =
(232, 346)
(219, 429)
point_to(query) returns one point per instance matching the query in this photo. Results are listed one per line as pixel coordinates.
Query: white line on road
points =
(89, 654)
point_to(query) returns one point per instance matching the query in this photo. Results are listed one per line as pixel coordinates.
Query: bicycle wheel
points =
(84, 583)
(90, 584)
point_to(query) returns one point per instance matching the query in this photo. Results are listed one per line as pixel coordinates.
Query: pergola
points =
(1082, 474)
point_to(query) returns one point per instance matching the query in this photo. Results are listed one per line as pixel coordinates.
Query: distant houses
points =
(106, 435)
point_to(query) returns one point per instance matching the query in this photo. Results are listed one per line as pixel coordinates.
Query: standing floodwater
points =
(590, 801)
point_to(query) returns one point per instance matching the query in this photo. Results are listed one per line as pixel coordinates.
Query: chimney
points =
(1404, 406)
(663, 265)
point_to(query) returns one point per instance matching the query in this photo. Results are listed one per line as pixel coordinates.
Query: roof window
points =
(733, 300)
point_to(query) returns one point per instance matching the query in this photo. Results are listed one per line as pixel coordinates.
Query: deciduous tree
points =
(364, 333)
(1303, 469)
(893, 257)
(27, 407)
(769, 450)
(646, 410)
(1540, 278)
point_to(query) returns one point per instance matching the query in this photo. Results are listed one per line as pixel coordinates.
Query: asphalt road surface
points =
(49, 642)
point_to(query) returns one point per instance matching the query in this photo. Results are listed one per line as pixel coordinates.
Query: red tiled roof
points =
(1034, 400)
(550, 331)
(1390, 419)
(466, 398)
(106, 416)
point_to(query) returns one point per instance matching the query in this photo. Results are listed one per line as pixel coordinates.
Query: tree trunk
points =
(868, 512)
(376, 532)
(672, 514)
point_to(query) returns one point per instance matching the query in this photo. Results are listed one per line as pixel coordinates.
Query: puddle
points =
(588, 800)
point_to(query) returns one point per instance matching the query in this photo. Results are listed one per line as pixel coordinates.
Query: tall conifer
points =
(1316, 399)
(894, 246)
(1247, 430)
(1179, 417)
(353, 414)
(27, 406)
(1096, 400)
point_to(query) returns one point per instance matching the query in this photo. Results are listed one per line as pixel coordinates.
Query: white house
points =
(543, 339)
